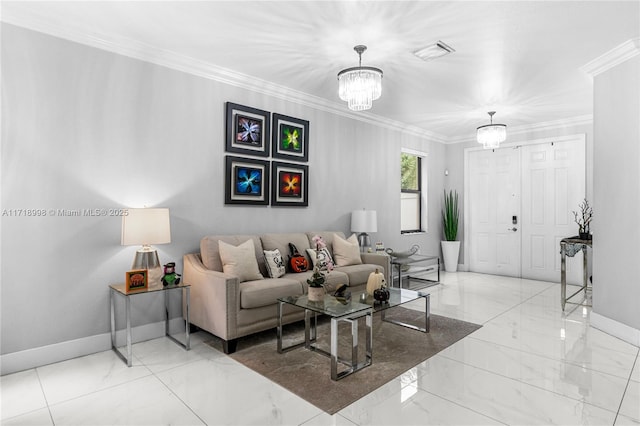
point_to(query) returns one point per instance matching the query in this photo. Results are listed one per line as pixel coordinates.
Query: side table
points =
(120, 290)
(401, 262)
(569, 247)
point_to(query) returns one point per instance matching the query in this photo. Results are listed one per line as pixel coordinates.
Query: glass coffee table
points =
(338, 311)
(360, 305)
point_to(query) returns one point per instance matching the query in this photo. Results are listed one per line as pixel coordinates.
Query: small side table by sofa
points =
(120, 290)
(405, 262)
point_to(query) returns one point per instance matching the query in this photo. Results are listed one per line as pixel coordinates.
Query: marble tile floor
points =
(529, 364)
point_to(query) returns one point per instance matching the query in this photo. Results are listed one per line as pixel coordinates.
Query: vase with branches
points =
(583, 219)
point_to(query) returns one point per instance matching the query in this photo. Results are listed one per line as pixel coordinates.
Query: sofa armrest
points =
(215, 298)
(382, 260)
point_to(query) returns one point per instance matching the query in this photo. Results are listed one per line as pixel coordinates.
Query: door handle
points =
(514, 229)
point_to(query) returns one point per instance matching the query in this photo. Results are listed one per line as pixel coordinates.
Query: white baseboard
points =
(49, 354)
(615, 328)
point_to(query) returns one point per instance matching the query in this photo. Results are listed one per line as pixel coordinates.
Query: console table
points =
(569, 247)
(120, 290)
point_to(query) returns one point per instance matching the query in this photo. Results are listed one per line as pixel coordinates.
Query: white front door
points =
(553, 184)
(494, 200)
(519, 206)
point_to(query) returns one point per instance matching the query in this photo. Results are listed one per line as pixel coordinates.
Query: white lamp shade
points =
(146, 227)
(364, 221)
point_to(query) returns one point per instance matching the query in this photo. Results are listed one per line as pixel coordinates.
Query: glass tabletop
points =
(411, 259)
(397, 297)
(329, 306)
(359, 301)
(121, 288)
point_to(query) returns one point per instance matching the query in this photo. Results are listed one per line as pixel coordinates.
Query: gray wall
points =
(83, 128)
(616, 270)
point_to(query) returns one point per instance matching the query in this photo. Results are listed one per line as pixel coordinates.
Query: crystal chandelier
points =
(490, 135)
(360, 86)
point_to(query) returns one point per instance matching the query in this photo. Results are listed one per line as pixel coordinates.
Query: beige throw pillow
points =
(346, 252)
(240, 261)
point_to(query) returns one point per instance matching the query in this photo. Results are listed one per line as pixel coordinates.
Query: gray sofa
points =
(229, 309)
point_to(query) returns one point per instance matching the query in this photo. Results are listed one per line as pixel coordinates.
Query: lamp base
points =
(364, 241)
(148, 259)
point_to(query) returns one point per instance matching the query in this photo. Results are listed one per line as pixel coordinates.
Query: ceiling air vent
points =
(434, 51)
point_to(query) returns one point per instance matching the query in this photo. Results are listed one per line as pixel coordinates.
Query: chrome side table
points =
(569, 247)
(120, 290)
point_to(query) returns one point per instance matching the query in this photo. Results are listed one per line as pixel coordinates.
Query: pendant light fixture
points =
(360, 86)
(491, 135)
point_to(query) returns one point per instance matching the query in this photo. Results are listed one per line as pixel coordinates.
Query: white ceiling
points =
(520, 58)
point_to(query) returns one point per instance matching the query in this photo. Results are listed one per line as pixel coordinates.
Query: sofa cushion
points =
(358, 274)
(281, 242)
(275, 263)
(346, 252)
(327, 236)
(240, 261)
(210, 252)
(322, 257)
(254, 294)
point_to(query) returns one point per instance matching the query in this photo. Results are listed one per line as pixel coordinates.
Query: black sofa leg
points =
(229, 346)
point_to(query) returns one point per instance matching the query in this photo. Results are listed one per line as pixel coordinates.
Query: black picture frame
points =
(290, 138)
(247, 130)
(289, 184)
(247, 181)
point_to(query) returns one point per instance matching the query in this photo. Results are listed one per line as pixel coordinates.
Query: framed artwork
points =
(248, 130)
(290, 184)
(290, 138)
(137, 279)
(246, 181)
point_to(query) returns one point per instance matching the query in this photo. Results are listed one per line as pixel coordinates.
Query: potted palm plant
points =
(450, 215)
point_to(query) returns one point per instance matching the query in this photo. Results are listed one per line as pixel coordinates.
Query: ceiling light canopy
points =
(491, 135)
(360, 86)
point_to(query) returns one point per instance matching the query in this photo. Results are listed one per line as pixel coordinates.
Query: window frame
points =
(422, 191)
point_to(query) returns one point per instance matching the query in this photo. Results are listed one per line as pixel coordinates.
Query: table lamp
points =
(145, 227)
(364, 221)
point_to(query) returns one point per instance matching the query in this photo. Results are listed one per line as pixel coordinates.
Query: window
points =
(411, 197)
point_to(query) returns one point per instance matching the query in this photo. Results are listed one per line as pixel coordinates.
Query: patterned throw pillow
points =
(275, 263)
(323, 257)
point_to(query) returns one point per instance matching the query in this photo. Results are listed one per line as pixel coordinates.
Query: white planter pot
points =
(450, 252)
(316, 294)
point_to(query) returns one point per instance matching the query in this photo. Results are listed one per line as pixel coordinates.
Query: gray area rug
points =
(396, 349)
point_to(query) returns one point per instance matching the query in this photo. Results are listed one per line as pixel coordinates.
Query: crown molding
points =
(537, 127)
(169, 59)
(615, 56)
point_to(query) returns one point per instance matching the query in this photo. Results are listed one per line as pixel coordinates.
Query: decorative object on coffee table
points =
(584, 220)
(376, 280)
(317, 279)
(381, 294)
(450, 247)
